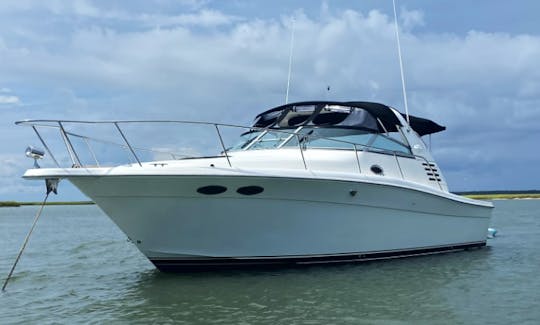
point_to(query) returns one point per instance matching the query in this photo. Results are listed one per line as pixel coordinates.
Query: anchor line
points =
(51, 185)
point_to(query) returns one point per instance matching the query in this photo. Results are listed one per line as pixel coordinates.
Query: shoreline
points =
(482, 196)
(520, 196)
(15, 204)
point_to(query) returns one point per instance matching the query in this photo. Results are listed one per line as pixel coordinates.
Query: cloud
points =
(9, 165)
(78, 7)
(207, 64)
(204, 18)
(9, 100)
(85, 9)
(411, 18)
(12, 166)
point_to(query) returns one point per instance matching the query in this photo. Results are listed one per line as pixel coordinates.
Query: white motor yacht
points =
(309, 182)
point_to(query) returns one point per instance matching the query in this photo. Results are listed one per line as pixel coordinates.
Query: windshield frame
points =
(298, 137)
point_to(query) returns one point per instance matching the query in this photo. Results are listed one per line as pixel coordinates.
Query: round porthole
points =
(212, 189)
(249, 190)
(376, 169)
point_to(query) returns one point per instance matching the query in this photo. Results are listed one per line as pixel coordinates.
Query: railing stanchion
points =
(127, 143)
(74, 158)
(223, 145)
(357, 159)
(301, 151)
(399, 165)
(91, 151)
(45, 145)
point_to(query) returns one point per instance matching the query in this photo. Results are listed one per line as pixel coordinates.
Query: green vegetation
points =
(59, 203)
(17, 204)
(9, 204)
(503, 196)
(477, 195)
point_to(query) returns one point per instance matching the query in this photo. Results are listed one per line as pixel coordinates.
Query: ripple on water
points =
(94, 275)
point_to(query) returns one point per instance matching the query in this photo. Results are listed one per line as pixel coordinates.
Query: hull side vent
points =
(432, 172)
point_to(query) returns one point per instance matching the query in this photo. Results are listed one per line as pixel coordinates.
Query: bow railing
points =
(136, 153)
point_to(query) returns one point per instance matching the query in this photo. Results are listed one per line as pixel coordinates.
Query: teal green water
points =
(78, 268)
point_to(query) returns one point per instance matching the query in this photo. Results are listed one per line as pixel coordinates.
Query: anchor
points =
(51, 185)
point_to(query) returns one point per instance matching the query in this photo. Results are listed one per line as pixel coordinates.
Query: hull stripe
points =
(219, 263)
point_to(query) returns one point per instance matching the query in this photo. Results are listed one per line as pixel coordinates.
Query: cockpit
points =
(333, 125)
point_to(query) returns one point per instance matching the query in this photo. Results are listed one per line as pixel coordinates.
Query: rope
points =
(25, 242)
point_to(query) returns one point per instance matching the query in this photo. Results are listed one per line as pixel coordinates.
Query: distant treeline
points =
(471, 194)
(18, 204)
(9, 204)
(497, 192)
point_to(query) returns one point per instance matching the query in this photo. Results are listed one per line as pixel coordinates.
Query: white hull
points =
(293, 218)
(309, 182)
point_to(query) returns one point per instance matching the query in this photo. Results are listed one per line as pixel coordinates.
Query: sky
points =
(472, 66)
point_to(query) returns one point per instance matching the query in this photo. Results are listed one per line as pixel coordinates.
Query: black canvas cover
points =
(362, 115)
(424, 126)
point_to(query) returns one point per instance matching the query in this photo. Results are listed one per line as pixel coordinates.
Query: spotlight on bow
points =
(35, 154)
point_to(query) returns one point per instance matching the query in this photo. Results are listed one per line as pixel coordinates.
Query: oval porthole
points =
(212, 189)
(376, 169)
(249, 190)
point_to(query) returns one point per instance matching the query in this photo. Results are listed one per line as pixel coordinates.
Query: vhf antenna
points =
(400, 63)
(290, 63)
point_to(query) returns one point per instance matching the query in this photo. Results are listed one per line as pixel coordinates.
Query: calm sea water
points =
(79, 268)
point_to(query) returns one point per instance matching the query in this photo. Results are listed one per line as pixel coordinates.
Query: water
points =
(79, 268)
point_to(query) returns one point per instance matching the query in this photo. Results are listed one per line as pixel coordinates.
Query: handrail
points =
(35, 123)
(69, 146)
(127, 143)
(173, 155)
(116, 123)
(45, 145)
(301, 151)
(223, 145)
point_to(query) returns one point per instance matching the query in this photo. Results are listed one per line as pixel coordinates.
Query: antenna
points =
(401, 63)
(290, 62)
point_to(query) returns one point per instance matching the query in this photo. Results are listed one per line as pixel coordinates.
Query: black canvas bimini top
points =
(370, 116)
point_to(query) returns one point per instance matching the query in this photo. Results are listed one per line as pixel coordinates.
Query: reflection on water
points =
(407, 289)
(80, 268)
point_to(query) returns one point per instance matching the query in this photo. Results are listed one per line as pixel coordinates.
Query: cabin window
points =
(296, 116)
(344, 138)
(385, 143)
(360, 118)
(267, 119)
(270, 140)
(245, 139)
(329, 118)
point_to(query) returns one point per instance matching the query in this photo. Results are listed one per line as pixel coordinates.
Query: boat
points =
(307, 183)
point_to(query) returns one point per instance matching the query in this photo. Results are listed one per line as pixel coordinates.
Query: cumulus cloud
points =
(481, 85)
(205, 18)
(411, 19)
(78, 7)
(9, 100)
(66, 10)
